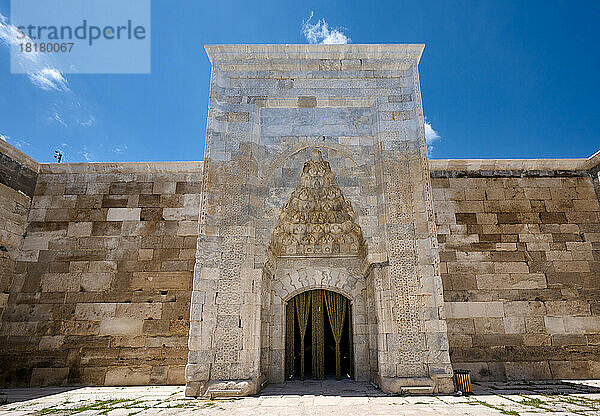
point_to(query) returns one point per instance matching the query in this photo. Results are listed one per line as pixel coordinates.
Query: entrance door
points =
(318, 336)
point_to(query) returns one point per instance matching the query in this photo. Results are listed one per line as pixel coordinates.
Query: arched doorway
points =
(318, 337)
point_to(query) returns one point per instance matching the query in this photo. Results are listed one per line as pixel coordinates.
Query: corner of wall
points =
(18, 177)
(594, 171)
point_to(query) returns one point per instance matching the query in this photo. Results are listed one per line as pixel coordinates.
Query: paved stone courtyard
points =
(328, 397)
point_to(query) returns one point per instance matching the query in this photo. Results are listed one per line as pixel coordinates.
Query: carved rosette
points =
(317, 221)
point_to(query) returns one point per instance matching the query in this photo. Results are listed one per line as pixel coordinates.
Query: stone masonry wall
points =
(18, 174)
(520, 258)
(13, 217)
(102, 290)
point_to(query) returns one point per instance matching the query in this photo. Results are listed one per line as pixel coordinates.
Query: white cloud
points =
(67, 109)
(120, 148)
(49, 78)
(320, 32)
(20, 144)
(36, 65)
(89, 123)
(89, 157)
(431, 135)
(58, 119)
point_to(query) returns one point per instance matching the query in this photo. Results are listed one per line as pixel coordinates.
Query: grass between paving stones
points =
(533, 402)
(188, 405)
(105, 406)
(577, 401)
(97, 405)
(498, 408)
(537, 403)
(555, 398)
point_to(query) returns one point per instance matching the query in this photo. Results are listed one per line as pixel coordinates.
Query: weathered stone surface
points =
(14, 207)
(90, 284)
(495, 261)
(531, 287)
(258, 153)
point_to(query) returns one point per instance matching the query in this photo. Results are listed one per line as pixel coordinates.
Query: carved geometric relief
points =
(317, 220)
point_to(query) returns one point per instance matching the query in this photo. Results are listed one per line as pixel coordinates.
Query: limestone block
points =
(82, 328)
(538, 246)
(511, 281)
(31, 243)
(582, 324)
(460, 325)
(437, 341)
(161, 280)
(79, 229)
(145, 254)
(572, 308)
(571, 369)
(562, 340)
(530, 370)
(94, 311)
(571, 266)
(554, 325)
(121, 326)
(489, 325)
(128, 376)
(176, 375)
(51, 342)
(102, 266)
(536, 340)
(511, 267)
(160, 187)
(49, 376)
(60, 282)
(524, 308)
(187, 228)
(139, 310)
(170, 341)
(128, 341)
(514, 325)
(123, 214)
(484, 309)
(95, 282)
(491, 340)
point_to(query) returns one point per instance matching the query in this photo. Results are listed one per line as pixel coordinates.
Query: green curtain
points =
(351, 342)
(318, 335)
(289, 339)
(302, 311)
(336, 311)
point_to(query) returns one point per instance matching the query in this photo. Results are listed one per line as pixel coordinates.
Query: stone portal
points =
(316, 177)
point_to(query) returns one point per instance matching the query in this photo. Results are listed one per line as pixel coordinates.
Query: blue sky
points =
(499, 79)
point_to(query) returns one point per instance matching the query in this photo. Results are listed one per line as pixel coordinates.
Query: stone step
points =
(223, 393)
(417, 390)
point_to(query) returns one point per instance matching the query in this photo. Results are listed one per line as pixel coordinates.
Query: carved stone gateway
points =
(318, 220)
(316, 177)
